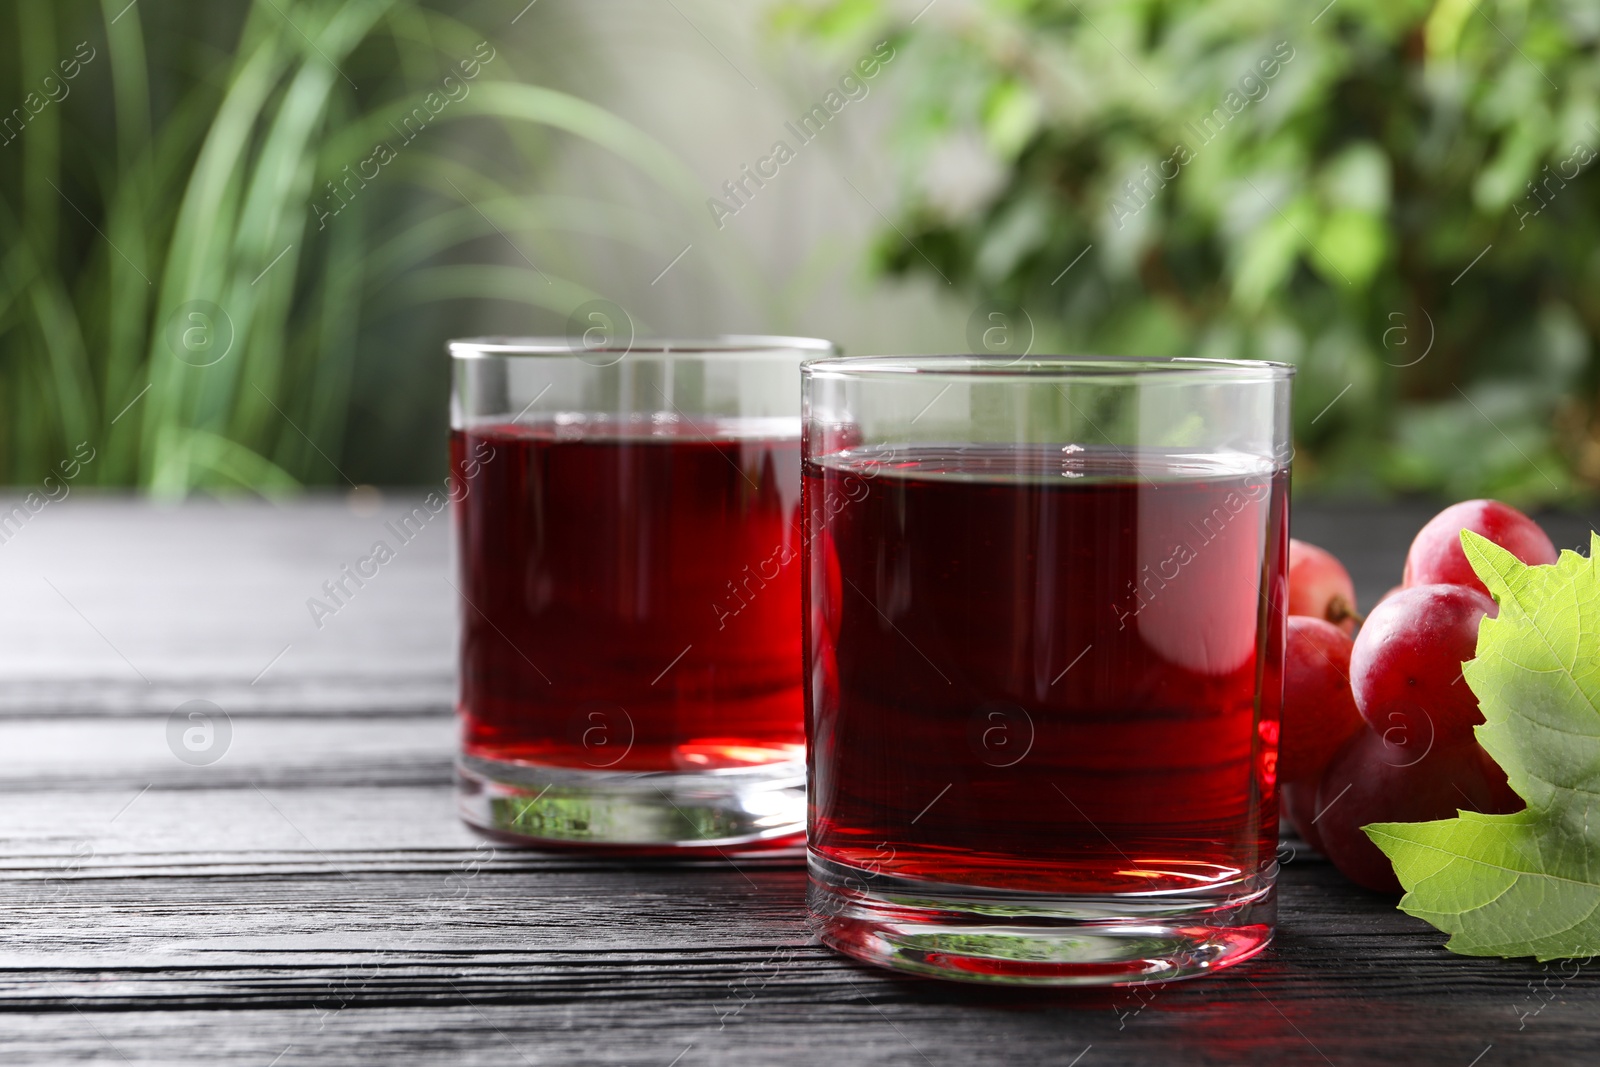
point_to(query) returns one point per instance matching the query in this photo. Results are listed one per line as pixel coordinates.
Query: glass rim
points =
(712, 347)
(1045, 368)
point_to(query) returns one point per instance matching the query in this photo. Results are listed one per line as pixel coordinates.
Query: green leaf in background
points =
(1526, 884)
(211, 171)
(1254, 180)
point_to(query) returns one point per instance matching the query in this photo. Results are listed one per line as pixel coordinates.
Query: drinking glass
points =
(1044, 603)
(627, 522)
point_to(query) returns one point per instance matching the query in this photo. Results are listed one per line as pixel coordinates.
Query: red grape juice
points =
(1046, 669)
(632, 593)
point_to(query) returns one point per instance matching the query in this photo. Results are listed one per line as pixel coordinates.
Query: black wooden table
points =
(310, 896)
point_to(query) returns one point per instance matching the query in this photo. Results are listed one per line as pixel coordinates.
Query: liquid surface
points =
(632, 593)
(1054, 669)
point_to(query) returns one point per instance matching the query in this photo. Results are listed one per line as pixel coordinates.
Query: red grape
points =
(1319, 586)
(1372, 780)
(1405, 668)
(1298, 801)
(1319, 711)
(1436, 555)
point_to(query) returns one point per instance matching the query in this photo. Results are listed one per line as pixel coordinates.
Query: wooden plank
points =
(130, 752)
(312, 897)
(127, 752)
(801, 1005)
(937, 1030)
(118, 607)
(194, 921)
(717, 955)
(493, 908)
(309, 877)
(236, 874)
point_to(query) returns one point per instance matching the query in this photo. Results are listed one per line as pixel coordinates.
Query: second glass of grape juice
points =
(628, 537)
(1044, 608)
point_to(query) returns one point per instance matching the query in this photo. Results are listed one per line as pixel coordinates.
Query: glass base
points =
(741, 809)
(1003, 937)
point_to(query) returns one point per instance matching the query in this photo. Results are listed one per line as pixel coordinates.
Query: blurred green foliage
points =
(226, 231)
(1400, 197)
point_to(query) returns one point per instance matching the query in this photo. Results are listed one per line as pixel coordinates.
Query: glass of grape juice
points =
(1044, 631)
(628, 541)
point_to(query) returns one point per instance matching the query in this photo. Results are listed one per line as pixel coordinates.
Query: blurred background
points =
(234, 236)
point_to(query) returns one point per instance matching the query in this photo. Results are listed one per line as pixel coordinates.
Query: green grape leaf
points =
(1526, 884)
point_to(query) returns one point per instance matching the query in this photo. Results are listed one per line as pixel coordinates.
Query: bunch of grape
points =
(1379, 728)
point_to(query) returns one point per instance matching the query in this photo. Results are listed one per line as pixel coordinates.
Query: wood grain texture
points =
(580, 962)
(115, 607)
(311, 898)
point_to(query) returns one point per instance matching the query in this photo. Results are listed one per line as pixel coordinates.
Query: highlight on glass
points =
(1044, 604)
(627, 524)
